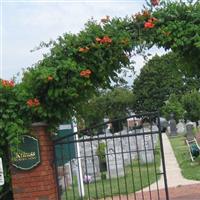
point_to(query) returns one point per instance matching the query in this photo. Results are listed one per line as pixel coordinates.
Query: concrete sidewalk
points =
(179, 187)
(174, 176)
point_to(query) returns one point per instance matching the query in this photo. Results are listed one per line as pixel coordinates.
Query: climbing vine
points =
(80, 64)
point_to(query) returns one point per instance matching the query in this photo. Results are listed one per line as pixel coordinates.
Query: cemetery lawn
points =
(128, 184)
(189, 169)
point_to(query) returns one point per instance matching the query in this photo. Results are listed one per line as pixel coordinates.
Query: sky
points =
(25, 24)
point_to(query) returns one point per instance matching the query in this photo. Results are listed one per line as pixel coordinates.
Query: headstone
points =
(126, 150)
(1, 173)
(65, 176)
(92, 166)
(155, 135)
(155, 128)
(168, 130)
(172, 125)
(181, 128)
(74, 165)
(146, 154)
(114, 159)
(198, 123)
(138, 143)
(128, 146)
(189, 131)
(194, 125)
(68, 174)
(133, 146)
(120, 151)
(90, 161)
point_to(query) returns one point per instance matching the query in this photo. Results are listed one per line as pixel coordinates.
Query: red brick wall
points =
(38, 183)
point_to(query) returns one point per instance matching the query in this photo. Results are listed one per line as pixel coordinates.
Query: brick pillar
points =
(38, 183)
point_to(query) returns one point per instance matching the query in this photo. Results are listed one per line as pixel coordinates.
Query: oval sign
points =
(27, 155)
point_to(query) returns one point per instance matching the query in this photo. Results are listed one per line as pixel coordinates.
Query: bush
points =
(102, 156)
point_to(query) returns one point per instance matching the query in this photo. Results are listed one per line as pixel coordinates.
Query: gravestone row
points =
(182, 128)
(120, 152)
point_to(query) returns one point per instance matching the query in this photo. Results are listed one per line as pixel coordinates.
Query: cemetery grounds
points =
(137, 176)
(190, 170)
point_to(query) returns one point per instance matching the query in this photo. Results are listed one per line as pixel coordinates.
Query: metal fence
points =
(119, 159)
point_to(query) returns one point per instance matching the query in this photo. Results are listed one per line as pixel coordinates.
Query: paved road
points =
(186, 192)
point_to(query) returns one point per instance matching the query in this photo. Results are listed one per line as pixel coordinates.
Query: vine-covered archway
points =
(80, 64)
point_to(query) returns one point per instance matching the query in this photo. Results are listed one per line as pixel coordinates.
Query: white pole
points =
(1, 173)
(79, 168)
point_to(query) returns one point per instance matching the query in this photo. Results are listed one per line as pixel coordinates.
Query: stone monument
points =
(146, 146)
(65, 176)
(114, 159)
(181, 127)
(172, 125)
(189, 131)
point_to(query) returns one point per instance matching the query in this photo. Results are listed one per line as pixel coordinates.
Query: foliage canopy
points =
(79, 64)
(158, 79)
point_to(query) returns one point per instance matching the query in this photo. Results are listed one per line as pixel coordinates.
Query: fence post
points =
(40, 182)
(79, 171)
(163, 159)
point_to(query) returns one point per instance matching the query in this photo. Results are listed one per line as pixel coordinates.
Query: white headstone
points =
(194, 125)
(172, 125)
(181, 127)
(1, 173)
(90, 161)
(126, 150)
(65, 176)
(68, 173)
(189, 131)
(114, 159)
(92, 166)
(147, 155)
(146, 146)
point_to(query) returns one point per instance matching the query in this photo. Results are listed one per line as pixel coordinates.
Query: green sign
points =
(65, 152)
(27, 155)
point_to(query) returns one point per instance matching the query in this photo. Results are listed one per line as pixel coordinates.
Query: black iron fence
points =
(119, 159)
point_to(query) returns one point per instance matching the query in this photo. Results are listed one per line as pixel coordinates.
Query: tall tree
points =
(173, 105)
(191, 103)
(115, 103)
(159, 78)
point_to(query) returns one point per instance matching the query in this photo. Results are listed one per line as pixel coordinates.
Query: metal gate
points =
(119, 159)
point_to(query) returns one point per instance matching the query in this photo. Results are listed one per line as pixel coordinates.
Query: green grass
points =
(189, 169)
(127, 184)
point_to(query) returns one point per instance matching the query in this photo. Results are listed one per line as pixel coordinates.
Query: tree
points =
(176, 21)
(191, 103)
(159, 78)
(173, 105)
(80, 64)
(12, 126)
(118, 103)
(101, 153)
(112, 104)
